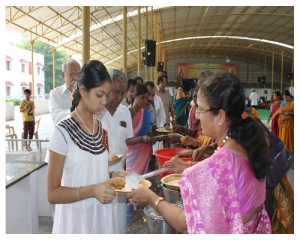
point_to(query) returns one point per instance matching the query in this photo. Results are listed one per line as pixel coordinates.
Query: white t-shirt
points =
(86, 163)
(160, 111)
(59, 103)
(117, 136)
(254, 98)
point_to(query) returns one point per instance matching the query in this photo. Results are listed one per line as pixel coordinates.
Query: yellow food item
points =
(114, 157)
(182, 140)
(117, 182)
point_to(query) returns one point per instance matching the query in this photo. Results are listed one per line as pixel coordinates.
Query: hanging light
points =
(227, 60)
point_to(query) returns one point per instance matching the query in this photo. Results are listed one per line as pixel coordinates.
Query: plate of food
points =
(114, 159)
(121, 187)
(171, 181)
(164, 129)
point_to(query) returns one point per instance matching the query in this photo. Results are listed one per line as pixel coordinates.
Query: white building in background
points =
(18, 72)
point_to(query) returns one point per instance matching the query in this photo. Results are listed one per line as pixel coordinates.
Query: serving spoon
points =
(133, 179)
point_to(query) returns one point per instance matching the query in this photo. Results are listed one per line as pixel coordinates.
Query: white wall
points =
(9, 111)
(41, 107)
(17, 77)
(26, 200)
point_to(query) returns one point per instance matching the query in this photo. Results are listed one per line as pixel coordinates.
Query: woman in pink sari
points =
(274, 112)
(139, 148)
(225, 193)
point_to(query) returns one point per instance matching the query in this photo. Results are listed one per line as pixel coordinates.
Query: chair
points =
(36, 133)
(11, 134)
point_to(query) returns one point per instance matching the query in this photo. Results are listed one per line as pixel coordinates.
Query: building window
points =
(23, 67)
(38, 70)
(39, 91)
(7, 91)
(8, 65)
(23, 89)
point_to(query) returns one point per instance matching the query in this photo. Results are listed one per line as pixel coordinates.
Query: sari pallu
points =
(138, 156)
(193, 122)
(286, 126)
(180, 106)
(212, 200)
(275, 116)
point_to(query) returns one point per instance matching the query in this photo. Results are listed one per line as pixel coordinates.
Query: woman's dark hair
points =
(225, 91)
(159, 80)
(278, 94)
(140, 89)
(92, 74)
(130, 82)
(286, 93)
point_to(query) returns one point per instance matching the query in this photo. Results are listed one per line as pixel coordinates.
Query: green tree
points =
(46, 50)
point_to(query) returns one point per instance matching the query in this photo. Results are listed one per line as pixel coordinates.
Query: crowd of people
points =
(100, 113)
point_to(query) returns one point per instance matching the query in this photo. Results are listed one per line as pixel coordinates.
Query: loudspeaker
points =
(150, 49)
(259, 79)
(160, 66)
(263, 79)
(290, 76)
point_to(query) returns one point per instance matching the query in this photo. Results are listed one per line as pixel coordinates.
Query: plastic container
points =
(165, 154)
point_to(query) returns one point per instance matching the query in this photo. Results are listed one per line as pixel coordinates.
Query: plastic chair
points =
(36, 133)
(11, 134)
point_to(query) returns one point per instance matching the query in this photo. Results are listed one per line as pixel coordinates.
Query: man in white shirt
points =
(157, 104)
(60, 97)
(254, 99)
(159, 109)
(117, 120)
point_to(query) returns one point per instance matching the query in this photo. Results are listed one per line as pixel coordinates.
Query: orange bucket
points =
(165, 154)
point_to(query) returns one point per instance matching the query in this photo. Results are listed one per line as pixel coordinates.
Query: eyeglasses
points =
(71, 74)
(198, 111)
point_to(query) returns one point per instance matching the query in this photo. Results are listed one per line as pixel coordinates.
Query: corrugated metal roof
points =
(206, 25)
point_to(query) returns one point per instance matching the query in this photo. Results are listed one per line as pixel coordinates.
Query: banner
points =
(193, 70)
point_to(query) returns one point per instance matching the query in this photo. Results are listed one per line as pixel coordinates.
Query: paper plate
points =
(164, 130)
(171, 181)
(144, 182)
(114, 161)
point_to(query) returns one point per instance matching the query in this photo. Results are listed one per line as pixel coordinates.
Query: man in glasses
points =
(60, 97)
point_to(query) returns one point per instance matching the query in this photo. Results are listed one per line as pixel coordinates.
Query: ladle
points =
(133, 179)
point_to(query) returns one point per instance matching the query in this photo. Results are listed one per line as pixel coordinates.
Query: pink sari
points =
(217, 192)
(138, 156)
(193, 122)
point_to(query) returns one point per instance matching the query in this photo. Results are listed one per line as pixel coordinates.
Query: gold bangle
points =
(159, 199)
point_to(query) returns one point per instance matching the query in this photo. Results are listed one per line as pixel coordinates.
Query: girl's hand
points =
(119, 173)
(104, 192)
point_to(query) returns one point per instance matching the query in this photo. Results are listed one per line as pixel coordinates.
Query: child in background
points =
(27, 108)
